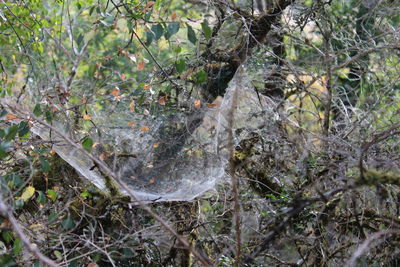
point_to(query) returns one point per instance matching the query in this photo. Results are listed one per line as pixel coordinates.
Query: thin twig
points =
(6, 212)
(366, 245)
(234, 179)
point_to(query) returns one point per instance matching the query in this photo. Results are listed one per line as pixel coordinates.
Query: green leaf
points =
(3, 113)
(51, 194)
(14, 180)
(37, 111)
(85, 194)
(4, 147)
(148, 15)
(68, 223)
(6, 260)
(44, 164)
(52, 217)
(11, 132)
(17, 247)
(7, 236)
(79, 39)
(91, 10)
(107, 22)
(73, 263)
(172, 29)
(41, 198)
(180, 65)
(158, 31)
(19, 203)
(87, 144)
(49, 116)
(178, 49)
(191, 34)
(23, 128)
(58, 254)
(127, 252)
(201, 77)
(206, 29)
(149, 38)
(96, 257)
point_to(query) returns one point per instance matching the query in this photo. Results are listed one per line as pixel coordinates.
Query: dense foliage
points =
(309, 92)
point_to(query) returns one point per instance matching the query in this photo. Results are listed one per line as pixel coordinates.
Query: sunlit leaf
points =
(87, 144)
(85, 194)
(58, 254)
(132, 57)
(51, 194)
(86, 117)
(27, 193)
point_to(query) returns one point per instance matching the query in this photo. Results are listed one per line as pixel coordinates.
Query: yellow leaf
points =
(115, 92)
(86, 117)
(145, 128)
(150, 4)
(146, 86)
(11, 117)
(132, 106)
(174, 16)
(162, 101)
(140, 65)
(28, 193)
(197, 104)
